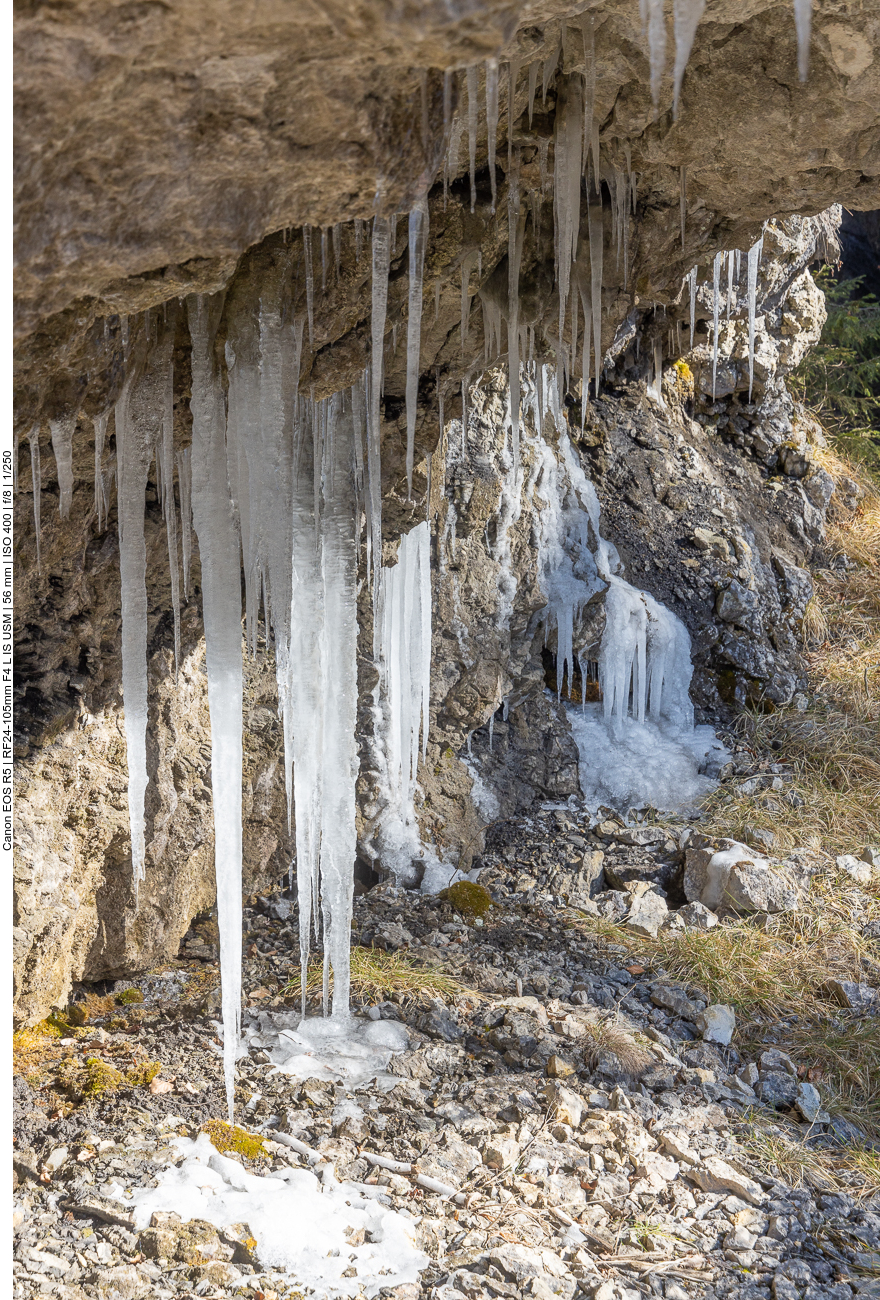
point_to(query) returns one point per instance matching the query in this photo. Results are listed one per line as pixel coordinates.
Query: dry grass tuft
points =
(602, 1039)
(378, 976)
(855, 1169)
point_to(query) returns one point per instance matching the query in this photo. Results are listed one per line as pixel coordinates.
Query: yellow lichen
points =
(468, 898)
(140, 1076)
(229, 1137)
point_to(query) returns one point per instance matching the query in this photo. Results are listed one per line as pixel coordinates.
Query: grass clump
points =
(377, 976)
(602, 1039)
(229, 1137)
(468, 898)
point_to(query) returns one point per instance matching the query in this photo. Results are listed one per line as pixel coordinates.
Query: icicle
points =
(515, 233)
(567, 185)
(184, 483)
(716, 277)
(730, 293)
(221, 605)
(418, 235)
(381, 246)
(585, 363)
(139, 420)
(447, 99)
(337, 249)
(310, 282)
(466, 265)
(803, 19)
(550, 64)
(323, 260)
(36, 484)
(339, 755)
(473, 109)
(682, 200)
(754, 262)
(596, 238)
(393, 220)
(464, 418)
(62, 431)
(656, 26)
(686, 15)
(100, 426)
(533, 84)
(423, 97)
(692, 282)
(492, 119)
(166, 459)
(491, 729)
(589, 37)
(512, 76)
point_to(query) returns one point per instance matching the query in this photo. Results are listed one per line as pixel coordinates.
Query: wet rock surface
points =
(586, 1114)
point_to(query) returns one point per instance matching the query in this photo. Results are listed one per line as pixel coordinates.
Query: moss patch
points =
(127, 997)
(93, 1077)
(468, 898)
(229, 1137)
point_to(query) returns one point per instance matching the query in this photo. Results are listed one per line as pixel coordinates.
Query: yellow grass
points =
(378, 976)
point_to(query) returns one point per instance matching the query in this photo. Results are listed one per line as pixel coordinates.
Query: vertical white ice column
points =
(406, 668)
(221, 605)
(62, 431)
(339, 767)
(140, 413)
(418, 235)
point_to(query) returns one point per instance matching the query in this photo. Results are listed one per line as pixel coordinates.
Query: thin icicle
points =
(731, 299)
(221, 605)
(166, 459)
(100, 426)
(803, 21)
(310, 282)
(512, 76)
(596, 237)
(323, 259)
(379, 309)
(418, 235)
(752, 271)
(533, 85)
(515, 234)
(716, 288)
(36, 484)
(692, 284)
(492, 119)
(682, 201)
(686, 15)
(652, 14)
(473, 110)
(184, 483)
(62, 431)
(464, 417)
(567, 185)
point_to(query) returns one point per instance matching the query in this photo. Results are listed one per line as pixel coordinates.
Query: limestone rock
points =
(716, 1024)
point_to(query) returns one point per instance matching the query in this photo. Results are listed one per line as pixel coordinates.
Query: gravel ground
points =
(570, 1097)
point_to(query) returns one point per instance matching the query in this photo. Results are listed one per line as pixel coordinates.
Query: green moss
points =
(229, 1137)
(140, 1076)
(468, 898)
(127, 996)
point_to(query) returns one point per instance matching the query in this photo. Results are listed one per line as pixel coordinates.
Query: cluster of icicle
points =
(644, 653)
(733, 260)
(279, 483)
(275, 483)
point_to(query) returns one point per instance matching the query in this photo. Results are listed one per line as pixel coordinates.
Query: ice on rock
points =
(62, 431)
(716, 291)
(221, 605)
(418, 234)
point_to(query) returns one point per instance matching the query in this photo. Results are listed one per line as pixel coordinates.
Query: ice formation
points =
(754, 261)
(36, 481)
(418, 234)
(299, 1220)
(62, 431)
(403, 696)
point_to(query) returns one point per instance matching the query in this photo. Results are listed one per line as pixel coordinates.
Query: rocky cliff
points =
(160, 160)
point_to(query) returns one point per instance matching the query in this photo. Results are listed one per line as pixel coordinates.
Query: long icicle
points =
(473, 110)
(36, 484)
(692, 283)
(62, 431)
(492, 120)
(418, 235)
(803, 21)
(716, 290)
(221, 605)
(379, 310)
(184, 483)
(100, 427)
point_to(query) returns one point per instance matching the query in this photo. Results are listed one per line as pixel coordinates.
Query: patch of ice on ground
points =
(440, 875)
(301, 1224)
(484, 798)
(625, 763)
(349, 1050)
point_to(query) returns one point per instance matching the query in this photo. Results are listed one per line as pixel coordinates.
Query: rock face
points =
(186, 156)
